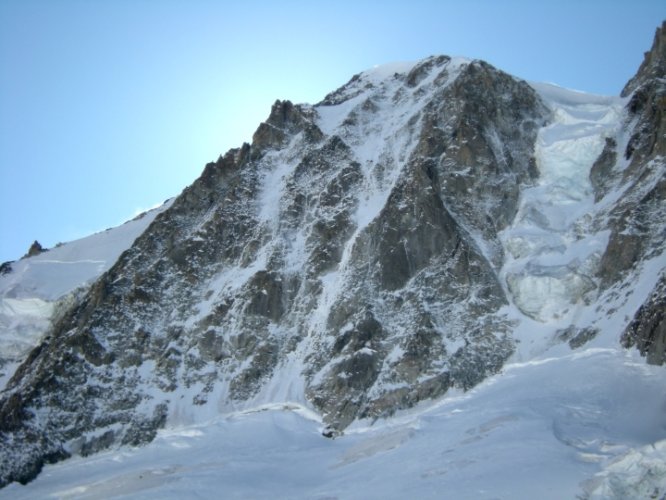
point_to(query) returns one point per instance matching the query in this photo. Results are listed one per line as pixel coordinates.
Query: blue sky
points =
(110, 107)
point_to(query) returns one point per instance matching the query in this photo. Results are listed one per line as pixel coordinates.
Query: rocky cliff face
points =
(352, 258)
(647, 331)
(639, 217)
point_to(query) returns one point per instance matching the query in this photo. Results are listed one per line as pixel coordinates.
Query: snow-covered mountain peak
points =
(404, 69)
(423, 228)
(389, 78)
(381, 72)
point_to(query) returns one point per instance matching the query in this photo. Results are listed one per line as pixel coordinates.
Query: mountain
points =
(421, 229)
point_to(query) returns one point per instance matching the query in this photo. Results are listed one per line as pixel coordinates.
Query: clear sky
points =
(110, 107)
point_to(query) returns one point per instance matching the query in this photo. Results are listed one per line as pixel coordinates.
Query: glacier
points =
(553, 253)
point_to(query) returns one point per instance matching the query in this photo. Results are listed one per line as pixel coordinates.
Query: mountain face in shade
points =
(408, 235)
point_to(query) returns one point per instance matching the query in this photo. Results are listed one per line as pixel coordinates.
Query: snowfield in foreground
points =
(591, 423)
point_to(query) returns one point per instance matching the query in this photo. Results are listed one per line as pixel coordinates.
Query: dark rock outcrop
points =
(647, 330)
(6, 267)
(601, 174)
(35, 249)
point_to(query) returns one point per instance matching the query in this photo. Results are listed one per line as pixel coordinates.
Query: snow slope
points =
(29, 293)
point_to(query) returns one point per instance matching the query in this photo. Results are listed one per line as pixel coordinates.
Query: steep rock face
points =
(35, 291)
(633, 167)
(348, 256)
(632, 173)
(417, 285)
(639, 220)
(647, 331)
